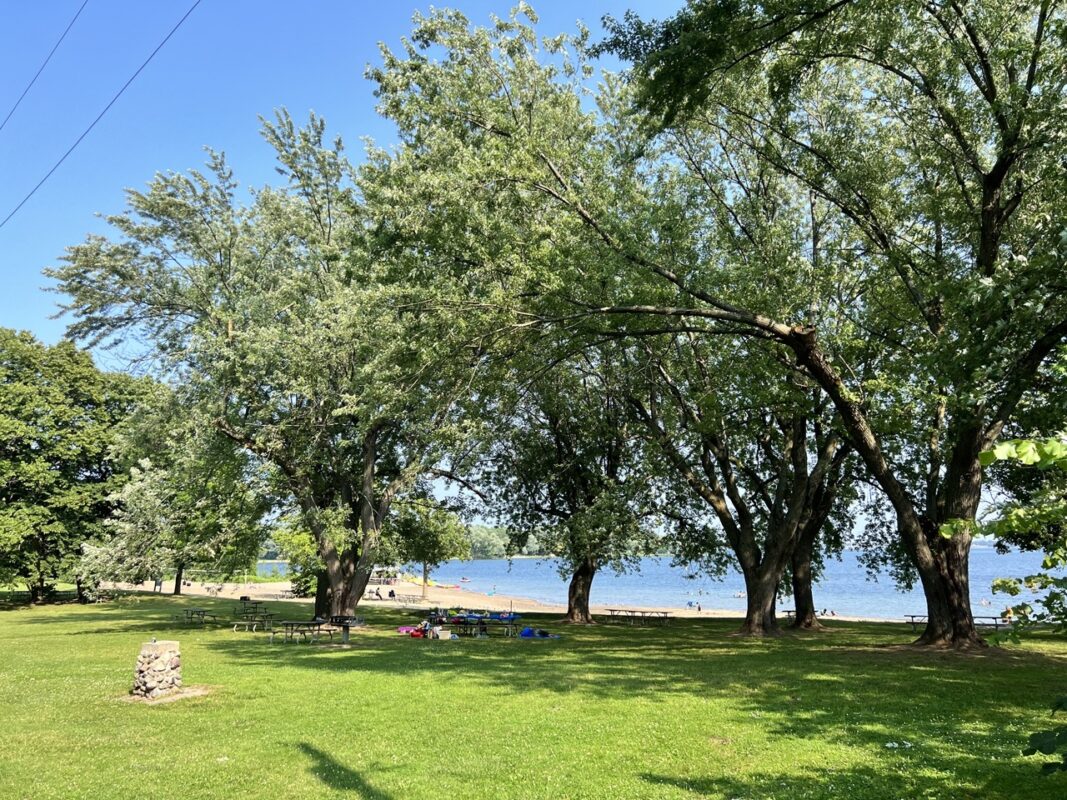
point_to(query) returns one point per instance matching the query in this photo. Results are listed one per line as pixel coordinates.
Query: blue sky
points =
(231, 61)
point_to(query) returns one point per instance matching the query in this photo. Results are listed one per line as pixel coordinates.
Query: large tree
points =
(58, 421)
(427, 534)
(930, 136)
(937, 130)
(288, 332)
(567, 467)
(577, 207)
(759, 456)
(191, 501)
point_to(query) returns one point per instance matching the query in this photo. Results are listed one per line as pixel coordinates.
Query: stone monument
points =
(159, 670)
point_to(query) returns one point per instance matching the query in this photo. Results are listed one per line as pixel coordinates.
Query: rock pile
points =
(159, 670)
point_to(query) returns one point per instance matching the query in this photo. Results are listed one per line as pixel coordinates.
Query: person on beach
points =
(378, 593)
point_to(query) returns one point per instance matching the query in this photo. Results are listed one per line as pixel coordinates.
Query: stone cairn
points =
(159, 670)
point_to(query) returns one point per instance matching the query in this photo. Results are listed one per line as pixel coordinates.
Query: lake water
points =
(845, 586)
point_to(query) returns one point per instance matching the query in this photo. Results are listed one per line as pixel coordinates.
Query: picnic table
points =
(308, 630)
(638, 616)
(197, 615)
(253, 619)
(981, 622)
(473, 625)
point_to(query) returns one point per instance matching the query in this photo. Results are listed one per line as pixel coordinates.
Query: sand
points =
(410, 595)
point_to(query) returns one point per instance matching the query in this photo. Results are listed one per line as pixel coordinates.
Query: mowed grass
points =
(604, 712)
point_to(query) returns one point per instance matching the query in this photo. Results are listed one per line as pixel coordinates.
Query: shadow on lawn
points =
(845, 689)
(337, 776)
(848, 782)
(132, 612)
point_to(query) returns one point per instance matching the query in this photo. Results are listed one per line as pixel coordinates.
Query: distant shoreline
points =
(458, 597)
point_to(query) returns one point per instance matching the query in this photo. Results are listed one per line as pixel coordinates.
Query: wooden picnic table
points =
(308, 630)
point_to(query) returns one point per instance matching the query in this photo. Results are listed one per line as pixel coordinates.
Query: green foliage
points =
(428, 535)
(1045, 513)
(928, 140)
(1051, 452)
(58, 418)
(487, 542)
(567, 470)
(289, 328)
(297, 546)
(192, 500)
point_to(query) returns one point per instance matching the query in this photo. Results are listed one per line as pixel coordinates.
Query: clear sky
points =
(231, 61)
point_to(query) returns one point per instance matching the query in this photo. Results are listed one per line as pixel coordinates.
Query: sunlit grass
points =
(606, 712)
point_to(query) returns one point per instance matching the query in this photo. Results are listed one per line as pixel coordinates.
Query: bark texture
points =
(579, 591)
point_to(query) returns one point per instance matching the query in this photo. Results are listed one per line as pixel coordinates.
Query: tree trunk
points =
(761, 587)
(425, 578)
(946, 585)
(803, 598)
(578, 593)
(345, 597)
(178, 575)
(322, 594)
(941, 563)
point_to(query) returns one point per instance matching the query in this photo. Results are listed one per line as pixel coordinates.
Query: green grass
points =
(606, 712)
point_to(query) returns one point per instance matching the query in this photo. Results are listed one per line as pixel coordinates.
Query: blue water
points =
(266, 568)
(845, 586)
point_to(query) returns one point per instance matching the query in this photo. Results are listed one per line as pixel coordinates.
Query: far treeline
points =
(771, 291)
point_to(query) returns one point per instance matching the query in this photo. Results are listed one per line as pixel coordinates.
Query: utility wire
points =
(92, 125)
(44, 64)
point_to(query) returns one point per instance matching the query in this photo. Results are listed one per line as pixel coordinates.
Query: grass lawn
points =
(605, 712)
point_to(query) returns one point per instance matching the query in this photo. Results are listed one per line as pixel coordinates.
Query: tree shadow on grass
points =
(337, 776)
(946, 721)
(857, 783)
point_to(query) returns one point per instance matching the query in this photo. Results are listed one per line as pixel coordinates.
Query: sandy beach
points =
(410, 595)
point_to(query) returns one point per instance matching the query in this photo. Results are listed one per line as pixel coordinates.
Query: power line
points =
(92, 125)
(44, 64)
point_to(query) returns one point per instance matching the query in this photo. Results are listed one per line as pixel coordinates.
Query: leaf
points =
(1027, 452)
(1004, 450)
